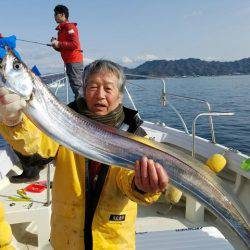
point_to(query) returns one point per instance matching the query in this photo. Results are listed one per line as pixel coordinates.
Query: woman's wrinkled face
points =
(102, 94)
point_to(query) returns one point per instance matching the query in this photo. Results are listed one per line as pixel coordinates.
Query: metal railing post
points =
(67, 85)
(205, 114)
(48, 184)
(131, 100)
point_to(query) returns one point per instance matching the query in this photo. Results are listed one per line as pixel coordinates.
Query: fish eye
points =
(16, 65)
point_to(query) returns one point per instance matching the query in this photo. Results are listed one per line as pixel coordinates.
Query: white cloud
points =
(138, 59)
(147, 57)
(49, 61)
(212, 58)
(194, 13)
(127, 60)
(46, 59)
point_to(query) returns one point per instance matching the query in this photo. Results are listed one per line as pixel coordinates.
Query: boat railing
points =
(63, 81)
(166, 102)
(210, 114)
(52, 74)
(163, 98)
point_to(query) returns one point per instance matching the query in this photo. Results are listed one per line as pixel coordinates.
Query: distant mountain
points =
(191, 67)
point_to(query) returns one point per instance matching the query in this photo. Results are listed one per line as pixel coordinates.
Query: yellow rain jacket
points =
(104, 219)
(5, 232)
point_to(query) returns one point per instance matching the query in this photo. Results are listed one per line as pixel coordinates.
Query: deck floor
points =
(152, 219)
(24, 231)
(157, 217)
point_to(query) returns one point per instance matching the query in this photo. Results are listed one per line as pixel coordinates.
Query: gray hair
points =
(104, 66)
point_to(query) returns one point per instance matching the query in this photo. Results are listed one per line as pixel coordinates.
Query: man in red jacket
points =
(68, 44)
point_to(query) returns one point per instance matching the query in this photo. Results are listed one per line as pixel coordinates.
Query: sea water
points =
(224, 93)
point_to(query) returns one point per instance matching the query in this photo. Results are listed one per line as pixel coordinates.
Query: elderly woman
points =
(94, 205)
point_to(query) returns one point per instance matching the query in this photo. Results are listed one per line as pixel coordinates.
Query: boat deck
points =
(30, 220)
(156, 225)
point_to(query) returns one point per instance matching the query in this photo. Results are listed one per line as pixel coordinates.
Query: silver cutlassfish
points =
(111, 146)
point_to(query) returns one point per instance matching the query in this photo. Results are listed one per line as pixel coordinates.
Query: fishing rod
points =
(27, 41)
(45, 44)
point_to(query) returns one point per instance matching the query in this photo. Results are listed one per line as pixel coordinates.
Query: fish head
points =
(16, 76)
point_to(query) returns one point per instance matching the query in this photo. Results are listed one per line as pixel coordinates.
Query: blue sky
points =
(130, 32)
